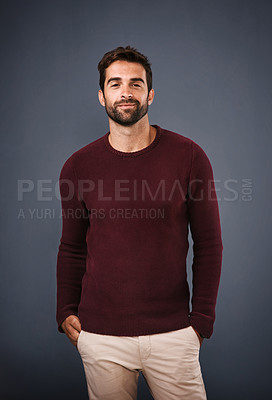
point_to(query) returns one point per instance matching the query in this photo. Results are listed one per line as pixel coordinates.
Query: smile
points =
(126, 105)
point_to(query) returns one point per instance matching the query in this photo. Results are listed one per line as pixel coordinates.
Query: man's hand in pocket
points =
(72, 326)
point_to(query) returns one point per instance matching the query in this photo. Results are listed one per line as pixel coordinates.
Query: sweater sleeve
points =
(204, 221)
(71, 258)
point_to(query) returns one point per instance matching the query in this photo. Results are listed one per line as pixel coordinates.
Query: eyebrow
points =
(117, 78)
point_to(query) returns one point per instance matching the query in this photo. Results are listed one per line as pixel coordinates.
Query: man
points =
(128, 199)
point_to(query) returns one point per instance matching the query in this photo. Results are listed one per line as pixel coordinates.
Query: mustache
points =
(127, 102)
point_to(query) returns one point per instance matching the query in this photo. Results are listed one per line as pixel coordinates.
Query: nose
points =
(126, 92)
(124, 96)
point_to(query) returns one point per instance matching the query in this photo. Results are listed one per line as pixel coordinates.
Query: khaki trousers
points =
(169, 363)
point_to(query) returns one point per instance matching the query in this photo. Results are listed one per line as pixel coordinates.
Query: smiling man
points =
(128, 201)
(129, 110)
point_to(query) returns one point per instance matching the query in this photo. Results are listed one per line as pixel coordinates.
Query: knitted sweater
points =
(121, 264)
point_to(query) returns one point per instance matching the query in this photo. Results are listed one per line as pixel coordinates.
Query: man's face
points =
(126, 97)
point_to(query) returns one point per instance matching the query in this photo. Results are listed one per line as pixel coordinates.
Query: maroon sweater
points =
(121, 263)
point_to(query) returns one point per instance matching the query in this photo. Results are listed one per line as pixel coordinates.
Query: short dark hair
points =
(129, 54)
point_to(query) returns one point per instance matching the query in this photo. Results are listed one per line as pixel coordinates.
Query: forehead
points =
(125, 69)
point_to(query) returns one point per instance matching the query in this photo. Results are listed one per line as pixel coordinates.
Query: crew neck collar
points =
(134, 153)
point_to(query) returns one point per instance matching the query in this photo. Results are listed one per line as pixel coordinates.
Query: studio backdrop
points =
(211, 63)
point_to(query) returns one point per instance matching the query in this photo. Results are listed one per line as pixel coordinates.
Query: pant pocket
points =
(195, 337)
(79, 340)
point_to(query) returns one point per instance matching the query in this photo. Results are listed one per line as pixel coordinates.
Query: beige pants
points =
(169, 363)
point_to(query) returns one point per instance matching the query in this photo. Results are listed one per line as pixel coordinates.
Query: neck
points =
(131, 138)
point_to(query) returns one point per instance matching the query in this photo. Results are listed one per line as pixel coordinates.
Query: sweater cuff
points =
(62, 318)
(202, 323)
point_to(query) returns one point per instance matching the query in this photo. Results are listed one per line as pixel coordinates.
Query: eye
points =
(136, 84)
(115, 84)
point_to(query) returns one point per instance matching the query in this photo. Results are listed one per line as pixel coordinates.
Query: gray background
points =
(211, 63)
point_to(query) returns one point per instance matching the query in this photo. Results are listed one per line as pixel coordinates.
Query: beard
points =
(127, 117)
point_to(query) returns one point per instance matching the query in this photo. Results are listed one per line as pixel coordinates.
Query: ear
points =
(150, 96)
(101, 98)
